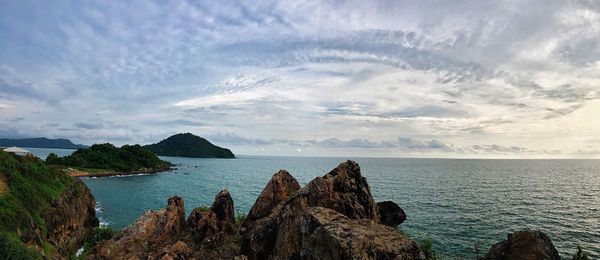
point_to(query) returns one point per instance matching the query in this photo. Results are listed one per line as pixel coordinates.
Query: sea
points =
(462, 205)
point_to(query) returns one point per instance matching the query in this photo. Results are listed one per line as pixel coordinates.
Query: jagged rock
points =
(179, 250)
(327, 234)
(390, 213)
(523, 245)
(281, 186)
(277, 236)
(164, 234)
(71, 218)
(148, 233)
(211, 224)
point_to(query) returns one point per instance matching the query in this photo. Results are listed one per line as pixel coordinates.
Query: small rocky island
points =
(332, 217)
(102, 160)
(189, 145)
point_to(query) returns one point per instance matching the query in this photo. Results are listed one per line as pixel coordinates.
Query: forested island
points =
(40, 142)
(106, 159)
(189, 145)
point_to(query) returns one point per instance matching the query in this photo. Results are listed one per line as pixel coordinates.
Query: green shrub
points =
(12, 248)
(239, 218)
(580, 255)
(100, 234)
(426, 246)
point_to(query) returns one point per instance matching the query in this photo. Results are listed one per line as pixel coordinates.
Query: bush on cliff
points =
(31, 187)
(128, 158)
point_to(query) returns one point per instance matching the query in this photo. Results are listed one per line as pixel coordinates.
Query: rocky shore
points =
(108, 173)
(332, 217)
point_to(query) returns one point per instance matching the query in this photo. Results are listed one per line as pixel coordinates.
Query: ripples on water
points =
(457, 203)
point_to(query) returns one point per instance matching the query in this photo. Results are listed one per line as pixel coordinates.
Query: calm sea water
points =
(457, 203)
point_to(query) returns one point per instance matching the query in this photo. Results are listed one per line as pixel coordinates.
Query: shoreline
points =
(73, 172)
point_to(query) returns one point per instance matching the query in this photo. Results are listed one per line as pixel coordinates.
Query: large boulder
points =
(390, 213)
(327, 234)
(523, 245)
(278, 235)
(150, 232)
(281, 186)
(214, 223)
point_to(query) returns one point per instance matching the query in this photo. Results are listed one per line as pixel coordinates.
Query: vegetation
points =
(100, 234)
(41, 143)
(128, 158)
(426, 246)
(580, 255)
(239, 218)
(30, 186)
(189, 145)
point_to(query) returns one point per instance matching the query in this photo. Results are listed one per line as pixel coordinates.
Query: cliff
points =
(189, 145)
(44, 212)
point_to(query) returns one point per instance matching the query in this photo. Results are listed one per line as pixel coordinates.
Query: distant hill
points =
(41, 142)
(127, 159)
(189, 145)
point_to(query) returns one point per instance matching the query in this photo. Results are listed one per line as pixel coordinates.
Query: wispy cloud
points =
(454, 77)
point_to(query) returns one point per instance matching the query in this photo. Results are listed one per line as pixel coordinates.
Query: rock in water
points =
(327, 234)
(523, 245)
(390, 213)
(278, 235)
(281, 186)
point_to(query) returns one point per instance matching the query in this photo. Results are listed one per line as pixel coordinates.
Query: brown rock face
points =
(390, 213)
(281, 186)
(327, 234)
(214, 223)
(71, 218)
(278, 236)
(524, 245)
(149, 233)
(164, 234)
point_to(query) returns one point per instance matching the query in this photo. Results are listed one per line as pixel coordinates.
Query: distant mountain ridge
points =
(189, 145)
(40, 142)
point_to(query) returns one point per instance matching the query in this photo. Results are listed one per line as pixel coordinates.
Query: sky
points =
(464, 79)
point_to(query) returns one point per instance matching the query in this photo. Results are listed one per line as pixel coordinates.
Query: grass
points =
(239, 218)
(29, 186)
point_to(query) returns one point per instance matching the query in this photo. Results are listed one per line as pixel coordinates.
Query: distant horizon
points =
(451, 79)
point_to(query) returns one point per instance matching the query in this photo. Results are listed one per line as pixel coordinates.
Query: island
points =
(189, 145)
(40, 142)
(102, 160)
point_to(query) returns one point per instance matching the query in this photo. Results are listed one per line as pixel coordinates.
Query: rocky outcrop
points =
(327, 234)
(523, 245)
(165, 234)
(333, 217)
(214, 224)
(343, 190)
(281, 186)
(390, 213)
(70, 219)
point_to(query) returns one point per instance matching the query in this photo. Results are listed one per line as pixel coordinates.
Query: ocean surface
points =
(458, 203)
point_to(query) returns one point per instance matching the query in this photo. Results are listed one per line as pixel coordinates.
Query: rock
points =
(523, 245)
(327, 234)
(281, 186)
(179, 250)
(277, 236)
(150, 232)
(71, 218)
(390, 213)
(165, 234)
(212, 223)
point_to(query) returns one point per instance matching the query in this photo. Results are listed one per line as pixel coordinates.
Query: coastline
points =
(99, 173)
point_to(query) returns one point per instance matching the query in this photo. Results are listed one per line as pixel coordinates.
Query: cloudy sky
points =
(516, 79)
